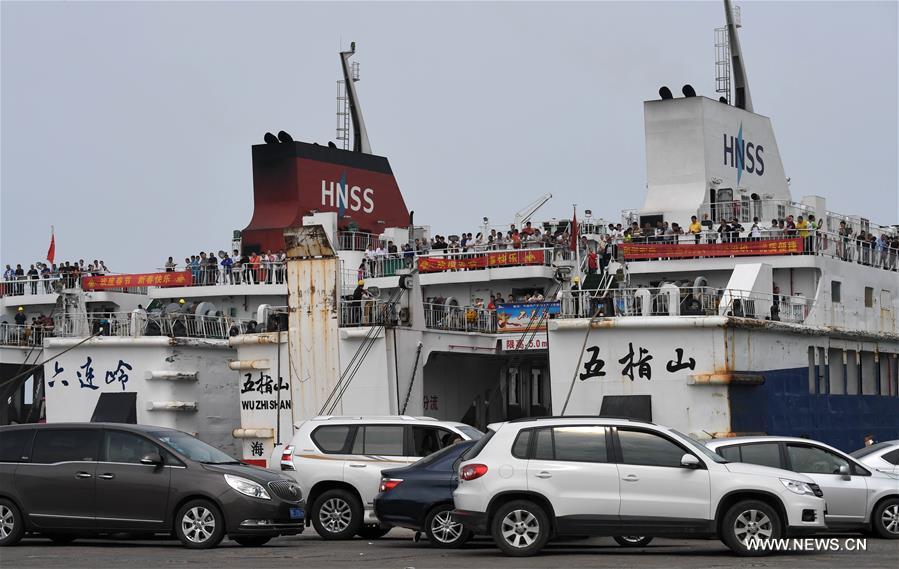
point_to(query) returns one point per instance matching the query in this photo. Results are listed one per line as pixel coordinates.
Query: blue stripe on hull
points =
(783, 406)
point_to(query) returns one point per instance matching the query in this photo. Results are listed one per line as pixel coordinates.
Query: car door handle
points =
(82, 474)
(543, 475)
(358, 465)
(631, 478)
(106, 476)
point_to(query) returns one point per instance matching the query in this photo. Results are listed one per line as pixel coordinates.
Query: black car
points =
(70, 479)
(420, 496)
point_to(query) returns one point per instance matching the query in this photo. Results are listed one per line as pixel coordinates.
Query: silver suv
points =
(531, 479)
(858, 498)
(337, 462)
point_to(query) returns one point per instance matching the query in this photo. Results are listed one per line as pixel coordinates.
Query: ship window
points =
(869, 297)
(835, 291)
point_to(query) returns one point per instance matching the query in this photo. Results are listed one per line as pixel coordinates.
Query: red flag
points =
(573, 244)
(51, 252)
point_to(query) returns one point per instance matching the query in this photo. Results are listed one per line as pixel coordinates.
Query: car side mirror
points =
(844, 471)
(689, 461)
(151, 458)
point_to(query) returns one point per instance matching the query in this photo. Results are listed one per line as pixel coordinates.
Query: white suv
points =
(337, 462)
(531, 479)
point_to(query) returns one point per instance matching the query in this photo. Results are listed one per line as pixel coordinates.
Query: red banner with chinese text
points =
(180, 278)
(637, 251)
(487, 260)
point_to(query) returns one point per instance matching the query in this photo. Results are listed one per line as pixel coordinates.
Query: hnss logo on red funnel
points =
(345, 197)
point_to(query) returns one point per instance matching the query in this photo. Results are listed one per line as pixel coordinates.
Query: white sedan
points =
(880, 456)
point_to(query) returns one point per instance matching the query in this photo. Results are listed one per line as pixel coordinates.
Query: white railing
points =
(23, 335)
(136, 324)
(358, 241)
(671, 300)
(29, 287)
(366, 312)
(460, 318)
(264, 272)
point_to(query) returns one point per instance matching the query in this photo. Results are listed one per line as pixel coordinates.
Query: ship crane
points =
(525, 213)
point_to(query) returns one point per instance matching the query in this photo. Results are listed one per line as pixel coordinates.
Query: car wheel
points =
(520, 528)
(252, 540)
(748, 522)
(373, 532)
(12, 526)
(337, 514)
(60, 538)
(443, 530)
(632, 540)
(199, 525)
(885, 519)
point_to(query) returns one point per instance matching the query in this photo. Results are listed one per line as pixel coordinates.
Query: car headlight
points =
(247, 487)
(797, 486)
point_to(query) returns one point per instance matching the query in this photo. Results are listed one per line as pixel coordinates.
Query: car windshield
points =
(470, 432)
(193, 448)
(697, 445)
(865, 451)
(450, 453)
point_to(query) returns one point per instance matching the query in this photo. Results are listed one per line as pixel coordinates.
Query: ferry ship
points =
(786, 330)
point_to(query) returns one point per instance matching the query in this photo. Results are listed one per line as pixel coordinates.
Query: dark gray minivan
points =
(69, 479)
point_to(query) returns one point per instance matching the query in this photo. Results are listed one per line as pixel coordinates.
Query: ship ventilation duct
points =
(270, 138)
(665, 93)
(688, 90)
(284, 137)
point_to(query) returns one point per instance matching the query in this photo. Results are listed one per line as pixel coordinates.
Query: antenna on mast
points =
(348, 108)
(741, 97)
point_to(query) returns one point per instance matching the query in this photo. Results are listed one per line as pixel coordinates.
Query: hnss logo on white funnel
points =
(345, 197)
(743, 155)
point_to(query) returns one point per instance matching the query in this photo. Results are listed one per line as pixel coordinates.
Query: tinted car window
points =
(192, 447)
(521, 444)
(471, 432)
(62, 445)
(814, 460)
(543, 448)
(445, 457)
(648, 449)
(384, 440)
(120, 446)
(332, 439)
(765, 454)
(892, 457)
(427, 440)
(731, 453)
(13, 443)
(581, 444)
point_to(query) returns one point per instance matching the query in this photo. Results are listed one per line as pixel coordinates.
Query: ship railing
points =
(265, 272)
(358, 241)
(457, 318)
(386, 265)
(26, 286)
(878, 254)
(365, 312)
(673, 300)
(24, 335)
(746, 209)
(140, 323)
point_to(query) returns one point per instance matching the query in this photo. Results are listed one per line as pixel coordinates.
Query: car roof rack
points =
(554, 417)
(371, 417)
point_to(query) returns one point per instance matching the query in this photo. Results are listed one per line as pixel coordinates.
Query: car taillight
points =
(473, 471)
(388, 484)
(287, 458)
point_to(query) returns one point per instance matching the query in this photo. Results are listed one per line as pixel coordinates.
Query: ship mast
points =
(742, 99)
(360, 135)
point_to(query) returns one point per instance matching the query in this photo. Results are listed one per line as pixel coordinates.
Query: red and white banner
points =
(487, 260)
(637, 251)
(179, 278)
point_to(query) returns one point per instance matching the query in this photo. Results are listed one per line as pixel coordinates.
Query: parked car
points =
(337, 461)
(420, 496)
(70, 479)
(531, 479)
(880, 456)
(858, 498)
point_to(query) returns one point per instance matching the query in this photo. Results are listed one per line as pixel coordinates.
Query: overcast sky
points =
(128, 126)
